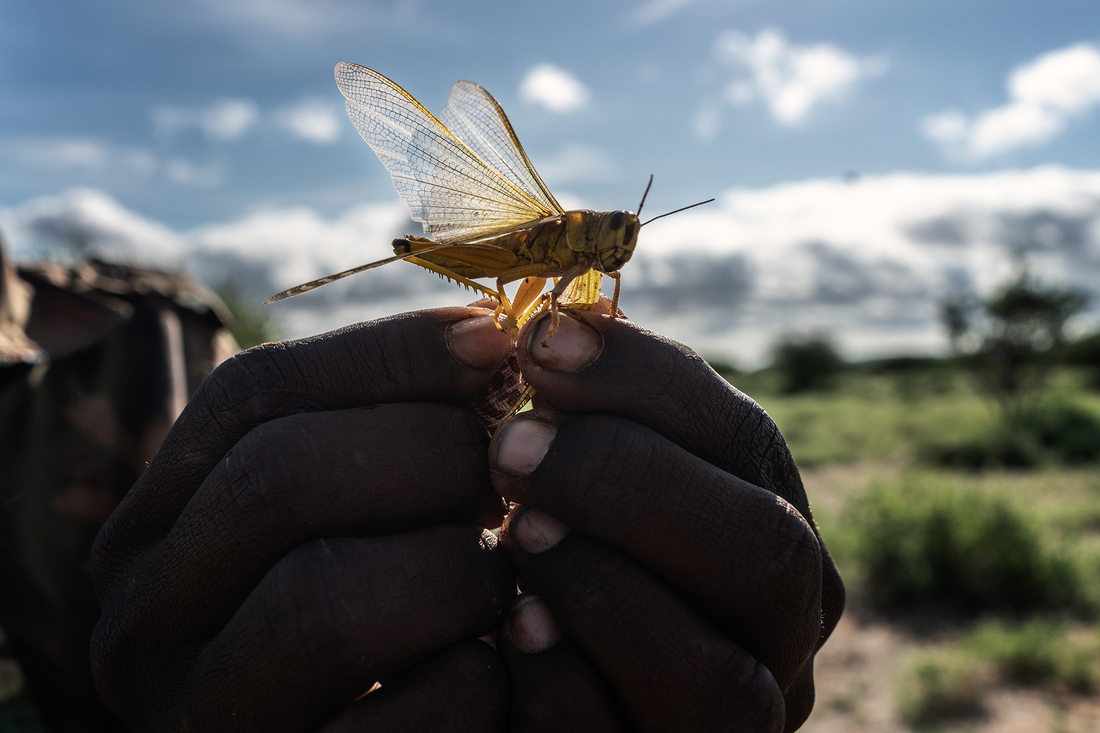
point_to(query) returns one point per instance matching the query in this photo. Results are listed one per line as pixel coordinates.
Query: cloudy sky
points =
(868, 158)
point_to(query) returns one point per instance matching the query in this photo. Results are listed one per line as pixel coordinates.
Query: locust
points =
(483, 206)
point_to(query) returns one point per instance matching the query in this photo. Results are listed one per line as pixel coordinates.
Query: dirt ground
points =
(858, 673)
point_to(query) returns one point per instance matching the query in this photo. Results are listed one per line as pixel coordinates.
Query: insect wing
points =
(478, 121)
(449, 189)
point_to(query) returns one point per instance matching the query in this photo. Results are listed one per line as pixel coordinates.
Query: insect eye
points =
(617, 220)
(629, 234)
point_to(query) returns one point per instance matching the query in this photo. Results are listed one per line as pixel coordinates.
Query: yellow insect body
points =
(467, 180)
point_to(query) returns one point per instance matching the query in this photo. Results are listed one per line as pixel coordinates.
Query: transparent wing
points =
(478, 121)
(449, 189)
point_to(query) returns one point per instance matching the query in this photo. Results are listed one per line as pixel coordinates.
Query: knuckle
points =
(752, 692)
(250, 379)
(790, 565)
(725, 688)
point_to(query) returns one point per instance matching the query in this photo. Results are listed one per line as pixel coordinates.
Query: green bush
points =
(940, 687)
(806, 364)
(249, 322)
(1070, 432)
(954, 550)
(1036, 653)
(1054, 432)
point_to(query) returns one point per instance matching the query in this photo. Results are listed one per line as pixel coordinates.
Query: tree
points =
(1008, 339)
(806, 363)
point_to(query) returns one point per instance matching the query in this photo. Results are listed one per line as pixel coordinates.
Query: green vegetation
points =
(249, 322)
(960, 498)
(806, 364)
(1039, 652)
(940, 687)
(928, 411)
(926, 543)
(952, 682)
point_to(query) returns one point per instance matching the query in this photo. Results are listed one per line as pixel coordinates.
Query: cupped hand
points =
(663, 523)
(315, 522)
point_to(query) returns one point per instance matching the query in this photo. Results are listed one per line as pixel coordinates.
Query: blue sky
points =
(199, 116)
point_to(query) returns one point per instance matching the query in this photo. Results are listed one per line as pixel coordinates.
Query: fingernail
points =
(477, 342)
(522, 446)
(573, 346)
(533, 626)
(535, 531)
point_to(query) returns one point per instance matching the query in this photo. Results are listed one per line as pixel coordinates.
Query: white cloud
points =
(947, 128)
(65, 153)
(867, 260)
(553, 88)
(654, 11)
(228, 119)
(1044, 96)
(66, 157)
(186, 173)
(95, 219)
(223, 120)
(314, 120)
(576, 162)
(707, 123)
(792, 81)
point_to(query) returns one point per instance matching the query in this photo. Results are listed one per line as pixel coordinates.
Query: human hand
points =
(314, 522)
(664, 526)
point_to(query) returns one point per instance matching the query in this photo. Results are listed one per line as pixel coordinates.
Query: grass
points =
(941, 686)
(926, 543)
(1000, 563)
(870, 416)
(925, 412)
(951, 683)
(250, 323)
(1039, 652)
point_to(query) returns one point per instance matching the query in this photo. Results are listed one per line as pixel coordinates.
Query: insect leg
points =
(453, 276)
(506, 307)
(531, 287)
(615, 298)
(563, 283)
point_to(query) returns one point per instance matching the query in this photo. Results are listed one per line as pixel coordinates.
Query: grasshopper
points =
(486, 211)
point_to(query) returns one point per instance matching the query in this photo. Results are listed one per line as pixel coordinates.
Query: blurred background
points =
(902, 265)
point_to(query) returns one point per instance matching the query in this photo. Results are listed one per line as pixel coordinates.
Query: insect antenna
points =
(644, 195)
(677, 211)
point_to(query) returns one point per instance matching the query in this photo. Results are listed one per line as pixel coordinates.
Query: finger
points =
(334, 616)
(463, 688)
(553, 686)
(443, 355)
(595, 364)
(360, 472)
(745, 557)
(669, 668)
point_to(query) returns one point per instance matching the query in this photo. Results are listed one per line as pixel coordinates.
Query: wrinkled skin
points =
(315, 522)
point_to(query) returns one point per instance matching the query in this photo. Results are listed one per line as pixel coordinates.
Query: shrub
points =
(1036, 653)
(1052, 432)
(954, 550)
(249, 322)
(806, 364)
(1070, 432)
(939, 687)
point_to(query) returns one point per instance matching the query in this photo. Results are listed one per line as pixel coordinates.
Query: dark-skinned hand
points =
(287, 547)
(315, 522)
(675, 578)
